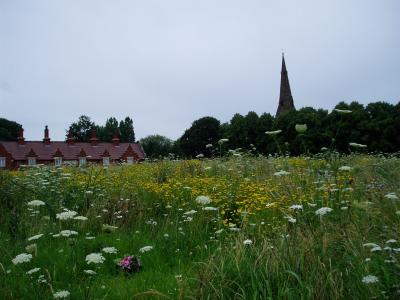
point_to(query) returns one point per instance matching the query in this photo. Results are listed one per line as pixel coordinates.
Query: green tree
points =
(9, 130)
(156, 146)
(203, 131)
(126, 130)
(106, 133)
(82, 130)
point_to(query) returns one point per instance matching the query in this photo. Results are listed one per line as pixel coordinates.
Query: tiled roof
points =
(70, 152)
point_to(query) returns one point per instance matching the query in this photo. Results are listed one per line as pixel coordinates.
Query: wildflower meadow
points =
(239, 227)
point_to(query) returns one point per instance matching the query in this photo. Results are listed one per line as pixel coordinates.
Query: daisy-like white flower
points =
(66, 215)
(94, 258)
(391, 196)
(281, 173)
(323, 211)
(110, 250)
(345, 168)
(61, 294)
(275, 132)
(36, 203)
(90, 272)
(247, 242)
(203, 200)
(296, 207)
(370, 279)
(35, 237)
(22, 258)
(145, 249)
(34, 270)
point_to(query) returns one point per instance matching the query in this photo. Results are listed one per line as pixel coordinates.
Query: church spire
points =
(285, 95)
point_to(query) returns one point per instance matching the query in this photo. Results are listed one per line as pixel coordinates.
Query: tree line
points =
(376, 125)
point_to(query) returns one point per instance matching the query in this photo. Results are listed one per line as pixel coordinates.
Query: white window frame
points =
(129, 160)
(3, 162)
(31, 161)
(106, 161)
(82, 161)
(58, 161)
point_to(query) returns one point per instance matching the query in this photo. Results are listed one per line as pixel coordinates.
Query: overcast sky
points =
(166, 63)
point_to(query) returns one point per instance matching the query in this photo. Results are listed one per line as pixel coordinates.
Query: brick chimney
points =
(70, 138)
(46, 139)
(94, 140)
(20, 138)
(115, 139)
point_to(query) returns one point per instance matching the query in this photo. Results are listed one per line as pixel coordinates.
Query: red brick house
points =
(57, 153)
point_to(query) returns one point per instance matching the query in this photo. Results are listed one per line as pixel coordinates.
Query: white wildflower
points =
(145, 249)
(210, 208)
(345, 168)
(35, 237)
(391, 241)
(22, 258)
(301, 128)
(291, 219)
(391, 196)
(95, 258)
(221, 141)
(281, 173)
(247, 242)
(36, 203)
(34, 270)
(323, 211)
(68, 233)
(376, 248)
(370, 279)
(80, 218)
(66, 215)
(190, 212)
(370, 245)
(296, 207)
(61, 294)
(203, 200)
(90, 272)
(110, 250)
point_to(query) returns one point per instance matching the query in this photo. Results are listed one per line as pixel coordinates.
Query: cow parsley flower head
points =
(66, 215)
(210, 208)
(247, 242)
(391, 196)
(68, 233)
(90, 272)
(145, 249)
(80, 218)
(370, 279)
(61, 294)
(296, 207)
(35, 237)
(345, 168)
(323, 211)
(203, 200)
(22, 258)
(281, 173)
(221, 141)
(291, 219)
(111, 250)
(34, 270)
(95, 258)
(36, 203)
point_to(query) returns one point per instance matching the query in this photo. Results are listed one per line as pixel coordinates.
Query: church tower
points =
(285, 95)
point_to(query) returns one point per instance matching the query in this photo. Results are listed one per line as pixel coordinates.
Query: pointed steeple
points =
(285, 95)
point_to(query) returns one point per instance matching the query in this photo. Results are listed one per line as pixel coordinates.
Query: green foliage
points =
(82, 130)
(157, 146)
(9, 130)
(203, 131)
